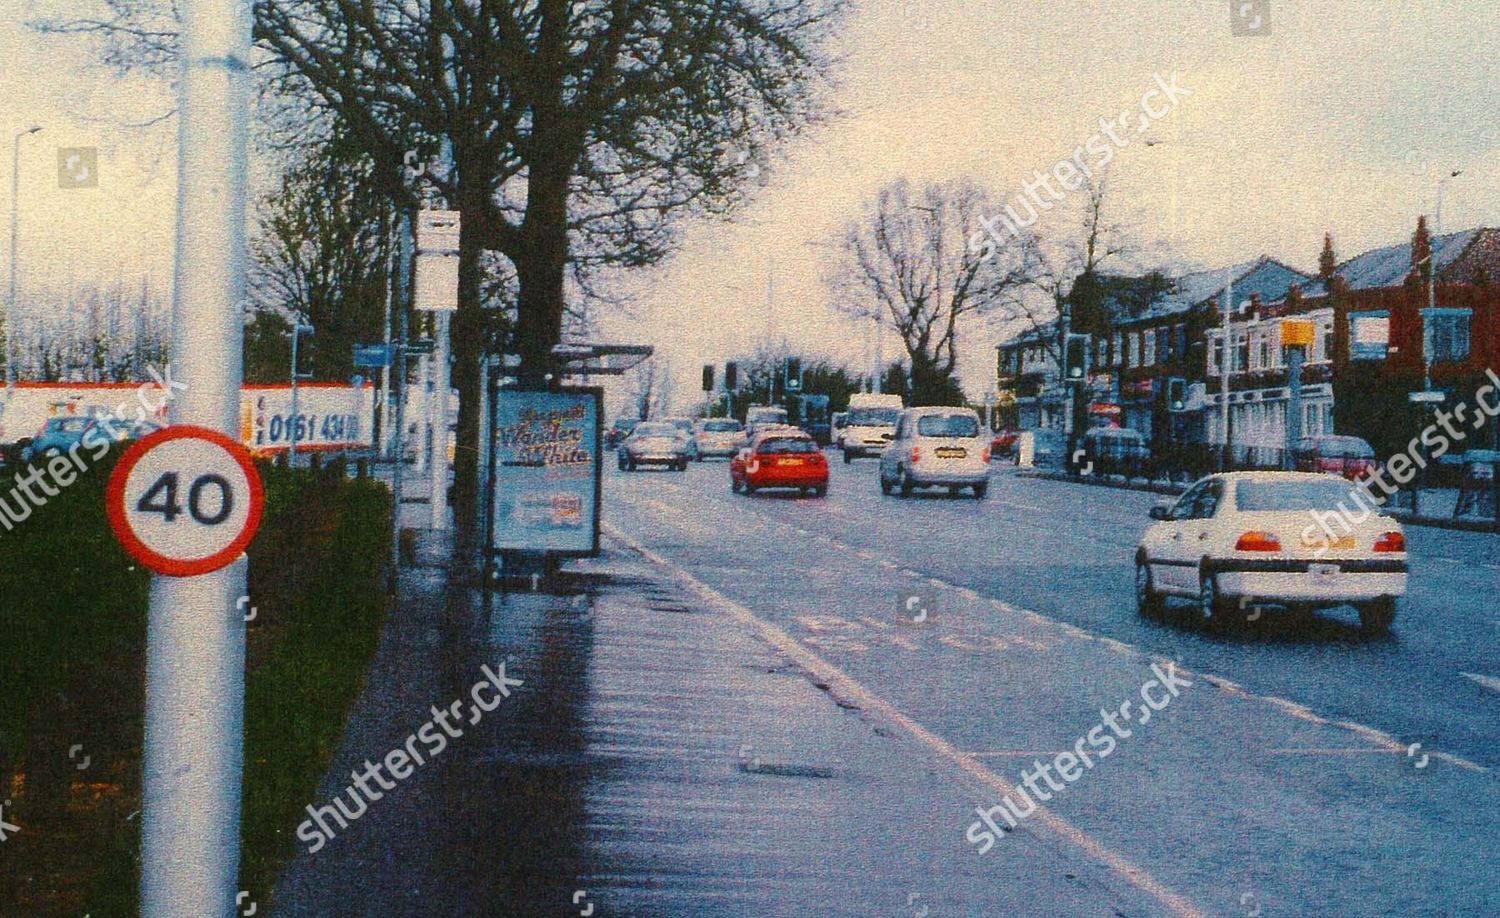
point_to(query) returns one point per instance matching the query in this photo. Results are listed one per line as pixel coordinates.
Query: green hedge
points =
(72, 622)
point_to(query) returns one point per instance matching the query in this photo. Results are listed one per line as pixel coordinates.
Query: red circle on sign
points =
(114, 502)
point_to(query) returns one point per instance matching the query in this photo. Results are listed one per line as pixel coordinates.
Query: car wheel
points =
(622, 462)
(980, 490)
(1148, 601)
(820, 491)
(847, 458)
(907, 485)
(1376, 617)
(953, 490)
(1213, 614)
(749, 488)
(802, 492)
(630, 465)
(885, 486)
(734, 485)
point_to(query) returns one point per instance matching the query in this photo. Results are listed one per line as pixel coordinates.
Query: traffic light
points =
(731, 376)
(1176, 394)
(708, 377)
(1076, 358)
(793, 374)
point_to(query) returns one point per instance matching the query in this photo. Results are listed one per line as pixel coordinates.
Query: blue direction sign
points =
(372, 355)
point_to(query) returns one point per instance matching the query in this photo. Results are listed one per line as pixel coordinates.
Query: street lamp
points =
(1437, 231)
(15, 211)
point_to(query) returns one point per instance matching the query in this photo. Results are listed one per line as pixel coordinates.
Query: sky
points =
(1340, 120)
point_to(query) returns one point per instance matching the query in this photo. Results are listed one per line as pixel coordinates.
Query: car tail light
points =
(1258, 541)
(916, 455)
(985, 454)
(1391, 541)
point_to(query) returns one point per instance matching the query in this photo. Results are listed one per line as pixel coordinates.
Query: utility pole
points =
(195, 636)
(1226, 357)
(294, 433)
(15, 217)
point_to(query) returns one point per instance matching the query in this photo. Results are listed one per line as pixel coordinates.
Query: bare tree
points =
(908, 262)
(568, 133)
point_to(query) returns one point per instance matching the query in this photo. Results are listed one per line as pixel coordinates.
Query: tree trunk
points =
(541, 267)
(467, 333)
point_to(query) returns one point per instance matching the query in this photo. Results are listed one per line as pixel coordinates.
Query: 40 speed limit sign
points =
(185, 500)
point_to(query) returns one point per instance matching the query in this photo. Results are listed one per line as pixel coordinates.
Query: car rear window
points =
(655, 430)
(787, 445)
(721, 426)
(1272, 496)
(947, 425)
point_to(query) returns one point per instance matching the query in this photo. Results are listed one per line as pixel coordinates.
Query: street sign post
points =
(185, 500)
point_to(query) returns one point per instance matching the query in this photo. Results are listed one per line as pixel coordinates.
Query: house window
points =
(1369, 335)
(1265, 355)
(1132, 351)
(1116, 355)
(1164, 344)
(1324, 349)
(1148, 348)
(1447, 334)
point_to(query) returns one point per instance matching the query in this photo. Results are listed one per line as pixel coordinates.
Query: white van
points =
(869, 425)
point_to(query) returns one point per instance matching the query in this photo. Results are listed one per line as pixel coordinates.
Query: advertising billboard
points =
(546, 466)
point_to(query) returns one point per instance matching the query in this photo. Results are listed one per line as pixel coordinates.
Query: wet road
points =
(1284, 780)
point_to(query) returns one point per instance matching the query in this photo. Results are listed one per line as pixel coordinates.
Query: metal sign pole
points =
(440, 390)
(195, 653)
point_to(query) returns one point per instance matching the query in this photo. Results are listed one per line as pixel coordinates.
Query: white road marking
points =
(1489, 682)
(847, 687)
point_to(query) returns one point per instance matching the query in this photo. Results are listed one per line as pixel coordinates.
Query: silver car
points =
(654, 443)
(718, 437)
(936, 447)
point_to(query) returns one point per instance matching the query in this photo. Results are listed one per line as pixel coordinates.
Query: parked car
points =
(1003, 443)
(1351, 457)
(936, 447)
(780, 458)
(618, 431)
(654, 443)
(56, 436)
(1049, 449)
(718, 437)
(1113, 451)
(1297, 539)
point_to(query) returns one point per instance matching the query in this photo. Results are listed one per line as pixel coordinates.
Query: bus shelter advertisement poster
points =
(547, 468)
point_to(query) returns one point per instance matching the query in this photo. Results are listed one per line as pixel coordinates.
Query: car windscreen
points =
(873, 417)
(655, 430)
(70, 425)
(1345, 448)
(768, 416)
(780, 445)
(1282, 496)
(721, 426)
(948, 425)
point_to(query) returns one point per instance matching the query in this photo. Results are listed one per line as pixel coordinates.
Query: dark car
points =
(1113, 451)
(1351, 457)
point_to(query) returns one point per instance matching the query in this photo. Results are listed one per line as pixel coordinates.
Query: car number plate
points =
(1324, 571)
(791, 461)
(951, 452)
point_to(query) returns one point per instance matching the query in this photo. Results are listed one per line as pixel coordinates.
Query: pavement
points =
(780, 706)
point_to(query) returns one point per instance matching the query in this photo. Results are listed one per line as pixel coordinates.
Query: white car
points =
(718, 437)
(936, 447)
(1294, 539)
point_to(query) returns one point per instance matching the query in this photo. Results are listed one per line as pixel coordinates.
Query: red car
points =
(1004, 443)
(780, 458)
(1350, 457)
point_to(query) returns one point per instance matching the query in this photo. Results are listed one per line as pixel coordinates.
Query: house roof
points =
(1264, 276)
(1389, 266)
